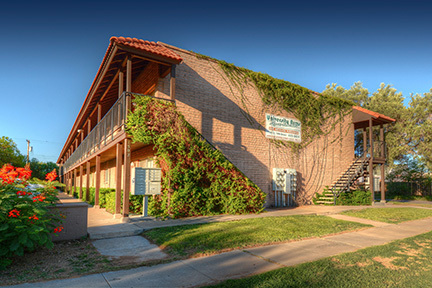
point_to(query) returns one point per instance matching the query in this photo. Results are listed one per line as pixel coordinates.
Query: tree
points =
(9, 153)
(419, 127)
(386, 100)
(40, 169)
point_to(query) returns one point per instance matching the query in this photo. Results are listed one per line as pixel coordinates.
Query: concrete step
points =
(325, 202)
(114, 231)
(326, 198)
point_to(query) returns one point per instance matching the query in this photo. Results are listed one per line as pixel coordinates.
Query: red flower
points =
(51, 176)
(14, 213)
(34, 217)
(39, 198)
(21, 193)
(58, 229)
(24, 173)
(8, 173)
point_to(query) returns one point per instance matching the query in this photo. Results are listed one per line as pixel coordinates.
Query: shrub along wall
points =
(107, 200)
(197, 179)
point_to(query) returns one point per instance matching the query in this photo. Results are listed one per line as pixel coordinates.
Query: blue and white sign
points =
(282, 128)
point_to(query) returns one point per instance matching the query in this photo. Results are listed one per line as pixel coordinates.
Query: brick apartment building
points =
(98, 152)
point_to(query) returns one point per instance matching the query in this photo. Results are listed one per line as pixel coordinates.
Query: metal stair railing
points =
(355, 170)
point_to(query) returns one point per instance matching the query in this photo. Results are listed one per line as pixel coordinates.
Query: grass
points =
(402, 263)
(203, 239)
(412, 204)
(390, 215)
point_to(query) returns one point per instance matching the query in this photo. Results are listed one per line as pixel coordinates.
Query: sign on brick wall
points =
(282, 128)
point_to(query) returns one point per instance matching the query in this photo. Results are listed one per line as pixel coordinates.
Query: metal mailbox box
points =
(146, 181)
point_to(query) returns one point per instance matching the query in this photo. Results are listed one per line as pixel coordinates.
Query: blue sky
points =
(51, 51)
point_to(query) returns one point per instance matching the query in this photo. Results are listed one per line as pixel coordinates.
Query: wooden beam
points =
(119, 161)
(109, 87)
(151, 60)
(172, 82)
(150, 56)
(81, 182)
(97, 184)
(126, 176)
(87, 198)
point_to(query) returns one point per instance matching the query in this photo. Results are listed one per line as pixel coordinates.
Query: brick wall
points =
(236, 126)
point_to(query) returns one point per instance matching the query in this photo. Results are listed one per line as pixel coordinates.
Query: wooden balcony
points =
(106, 132)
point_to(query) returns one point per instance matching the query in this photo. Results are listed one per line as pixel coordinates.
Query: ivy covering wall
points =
(196, 178)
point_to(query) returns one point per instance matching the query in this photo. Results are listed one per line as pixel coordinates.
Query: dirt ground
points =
(67, 259)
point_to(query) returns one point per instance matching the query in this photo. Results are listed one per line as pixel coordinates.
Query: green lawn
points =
(402, 263)
(390, 215)
(189, 240)
(412, 204)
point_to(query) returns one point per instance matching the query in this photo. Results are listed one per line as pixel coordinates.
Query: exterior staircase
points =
(346, 181)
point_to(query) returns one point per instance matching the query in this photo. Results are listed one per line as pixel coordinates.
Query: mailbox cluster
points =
(284, 186)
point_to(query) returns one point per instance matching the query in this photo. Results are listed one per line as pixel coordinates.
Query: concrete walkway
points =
(240, 263)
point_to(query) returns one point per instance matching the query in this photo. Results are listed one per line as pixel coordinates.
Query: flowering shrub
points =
(25, 221)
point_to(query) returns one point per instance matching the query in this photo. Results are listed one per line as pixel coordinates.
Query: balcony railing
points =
(379, 149)
(102, 134)
(105, 131)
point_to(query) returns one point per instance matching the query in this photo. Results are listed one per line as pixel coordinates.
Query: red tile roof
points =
(374, 114)
(147, 46)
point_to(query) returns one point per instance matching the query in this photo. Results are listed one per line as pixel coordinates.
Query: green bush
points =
(196, 178)
(107, 200)
(354, 198)
(26, 223)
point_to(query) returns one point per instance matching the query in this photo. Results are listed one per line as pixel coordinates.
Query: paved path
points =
(241, 263)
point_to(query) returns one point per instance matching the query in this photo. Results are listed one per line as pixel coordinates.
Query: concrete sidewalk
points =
(242, 263)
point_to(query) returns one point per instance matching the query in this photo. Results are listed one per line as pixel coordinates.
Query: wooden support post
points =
(383, 199)
(87, 198)
(66, 183)
(371, 175)
(364, 142)
(74, 181)
(97, 184)
(119, 154)
(121, 83)
(99, 113)
(82, 135)
(126, 176)
(172, 82)
(129, 74)
(382, 141)
(88, 126)
(81, 182)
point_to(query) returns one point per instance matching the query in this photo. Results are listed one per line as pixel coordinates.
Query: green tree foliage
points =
(40, 169)
(386, 100)
(419, 127)
(9, 153)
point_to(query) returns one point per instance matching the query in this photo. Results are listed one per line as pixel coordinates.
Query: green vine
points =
(197, 179)
(318, 113)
